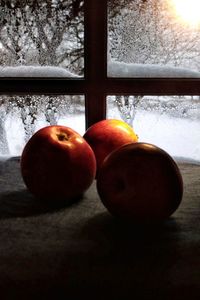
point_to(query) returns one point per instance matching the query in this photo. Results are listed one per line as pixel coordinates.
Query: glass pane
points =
(21, 116)
(154, 38)
(46, 35)
(170, 122)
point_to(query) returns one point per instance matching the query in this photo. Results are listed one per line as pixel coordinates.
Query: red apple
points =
(57, 163)
(140, 182)
(108, 135)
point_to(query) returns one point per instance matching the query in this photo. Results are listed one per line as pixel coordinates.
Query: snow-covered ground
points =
(179, 137)
(15, 130)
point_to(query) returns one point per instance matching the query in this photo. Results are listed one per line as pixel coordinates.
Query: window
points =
(49, 34)
(170, 122)
(95, 85)
(149, 39)
(21, 116)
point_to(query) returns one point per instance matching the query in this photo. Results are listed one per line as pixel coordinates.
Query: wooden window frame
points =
(95, 85)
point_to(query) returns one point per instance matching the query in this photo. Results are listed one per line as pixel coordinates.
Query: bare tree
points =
(127, 106)
(147, 32)
(51, 31)
(4, 148)
(38, 32)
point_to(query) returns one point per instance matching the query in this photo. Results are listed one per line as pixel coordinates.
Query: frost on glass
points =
(42, 33)
(21, 116)
(147, 39)
(170, 122)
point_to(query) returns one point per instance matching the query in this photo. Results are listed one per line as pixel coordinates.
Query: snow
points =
(35, 71)
(77, 122)
(179, 137)
(15, 131)
(115, 69)
(121, 69)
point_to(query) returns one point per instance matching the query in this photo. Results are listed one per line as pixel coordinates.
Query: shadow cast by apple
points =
(20, 202)
(23, 204)
(116, 258)
(110, 239)
(119, 229)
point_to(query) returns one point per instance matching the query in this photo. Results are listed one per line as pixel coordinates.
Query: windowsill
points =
(82, 249)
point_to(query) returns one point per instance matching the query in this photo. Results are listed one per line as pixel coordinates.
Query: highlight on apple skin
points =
(108, 135)
(57, 164)
(140, 182)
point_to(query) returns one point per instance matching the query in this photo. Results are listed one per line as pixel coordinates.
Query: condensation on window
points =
(148, 39)
(21, 116)
(170, 122)
(42, 33)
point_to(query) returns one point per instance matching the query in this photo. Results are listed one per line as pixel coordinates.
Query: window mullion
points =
(153, 86)
(95, 59)
(20, 86)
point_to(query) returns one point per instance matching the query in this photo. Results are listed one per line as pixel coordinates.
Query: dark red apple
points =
(140, 182)
(57, 163)
(108, 135)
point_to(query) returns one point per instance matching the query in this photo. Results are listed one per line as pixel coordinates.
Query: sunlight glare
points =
(188, 11)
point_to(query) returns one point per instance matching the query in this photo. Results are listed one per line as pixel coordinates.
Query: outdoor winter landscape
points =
(145, 39)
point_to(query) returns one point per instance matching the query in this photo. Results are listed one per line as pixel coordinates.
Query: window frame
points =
(95, 85)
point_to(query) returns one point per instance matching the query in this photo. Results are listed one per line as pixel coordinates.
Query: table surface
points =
(80, 250)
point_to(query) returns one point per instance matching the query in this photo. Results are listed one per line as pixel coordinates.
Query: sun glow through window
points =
(188, 11)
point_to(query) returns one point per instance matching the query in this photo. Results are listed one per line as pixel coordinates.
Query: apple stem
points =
(62, 137)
